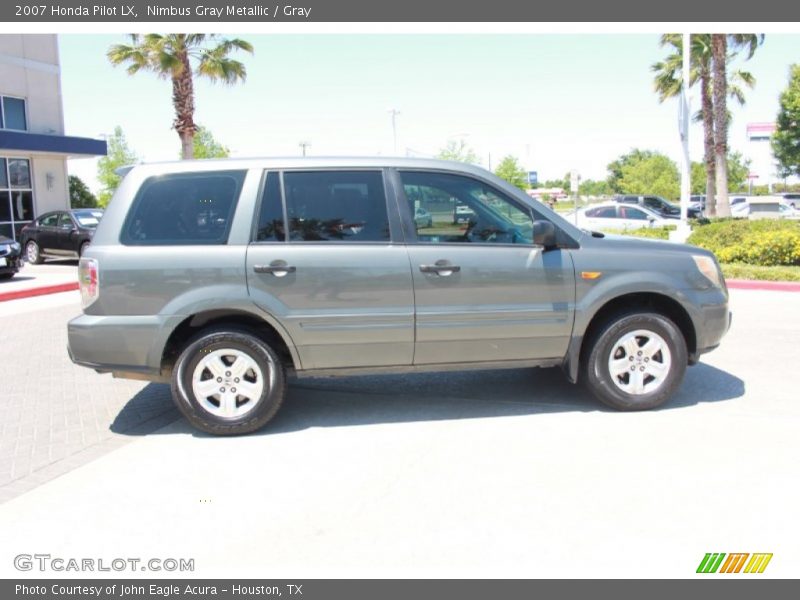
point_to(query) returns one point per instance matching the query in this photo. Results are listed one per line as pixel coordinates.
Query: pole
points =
(305, 145)
(394, 112)
(684, 117)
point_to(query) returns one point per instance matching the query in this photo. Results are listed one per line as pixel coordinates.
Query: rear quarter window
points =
(183, 209)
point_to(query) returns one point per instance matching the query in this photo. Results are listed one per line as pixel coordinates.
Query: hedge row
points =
(765, 242)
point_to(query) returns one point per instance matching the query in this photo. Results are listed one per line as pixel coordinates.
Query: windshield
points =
(87, 218)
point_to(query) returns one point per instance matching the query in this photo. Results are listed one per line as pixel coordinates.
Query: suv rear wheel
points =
(228, 382)
(635, 361)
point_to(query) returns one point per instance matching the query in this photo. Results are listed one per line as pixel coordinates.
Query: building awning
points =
(67, 146)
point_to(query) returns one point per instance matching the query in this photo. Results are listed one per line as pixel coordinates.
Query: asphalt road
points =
(506, 473)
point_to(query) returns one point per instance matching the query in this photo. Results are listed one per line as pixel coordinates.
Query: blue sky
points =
(556, 101)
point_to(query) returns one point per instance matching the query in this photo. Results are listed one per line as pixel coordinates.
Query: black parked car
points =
(666, 209)
(10, 257)
(60, 234)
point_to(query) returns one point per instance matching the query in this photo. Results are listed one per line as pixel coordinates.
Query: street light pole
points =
(304, 145)
(394, 112)
(684, 118)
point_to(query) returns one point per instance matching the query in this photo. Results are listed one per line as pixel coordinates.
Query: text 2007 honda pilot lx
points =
(220, 276)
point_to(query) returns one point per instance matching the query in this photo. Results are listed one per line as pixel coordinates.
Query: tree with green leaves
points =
(590, 187)
(615, 168)
(738, 170)
(205, 145)
(180, 57)
(646, 172)
(668, 82)
(458, 150)
(510, 170)
(119, 155)
(80, 196)
(786, 140)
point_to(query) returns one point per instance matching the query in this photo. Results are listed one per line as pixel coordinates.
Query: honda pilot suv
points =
(222, 276)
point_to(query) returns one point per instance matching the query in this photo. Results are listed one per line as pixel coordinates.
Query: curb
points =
(751, 284)
(38, 291)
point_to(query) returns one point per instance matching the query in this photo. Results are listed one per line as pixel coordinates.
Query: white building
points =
(33, 147)
(759, 151)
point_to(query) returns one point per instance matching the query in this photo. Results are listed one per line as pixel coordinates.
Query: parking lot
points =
(503, 473)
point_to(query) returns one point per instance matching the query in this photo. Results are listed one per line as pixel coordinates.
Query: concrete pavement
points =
(467, 475)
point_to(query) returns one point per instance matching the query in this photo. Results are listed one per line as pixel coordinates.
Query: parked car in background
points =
(792, 199)
(10, 257)
(741, 207)
(659, 205)
(60, 234)
(422, 218)
(615, 215)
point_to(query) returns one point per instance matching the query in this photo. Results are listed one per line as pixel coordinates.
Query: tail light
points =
(88, 280)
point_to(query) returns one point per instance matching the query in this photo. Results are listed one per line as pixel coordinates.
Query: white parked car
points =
(615, 215)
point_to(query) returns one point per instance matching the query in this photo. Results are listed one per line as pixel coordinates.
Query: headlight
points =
(708, 267)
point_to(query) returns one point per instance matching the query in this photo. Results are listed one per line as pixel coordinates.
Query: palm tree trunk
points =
(719, 52)
(707, 109)
(183, 101)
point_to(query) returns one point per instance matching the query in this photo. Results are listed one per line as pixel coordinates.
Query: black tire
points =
(607, 388)
(32, 249)
(237, 340)
(83, 248)
(4, 276)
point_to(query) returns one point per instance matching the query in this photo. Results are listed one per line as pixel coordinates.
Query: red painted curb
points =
(775, 286)
(39, 291)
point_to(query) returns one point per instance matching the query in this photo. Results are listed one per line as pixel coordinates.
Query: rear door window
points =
(336, 206)
(184, 209)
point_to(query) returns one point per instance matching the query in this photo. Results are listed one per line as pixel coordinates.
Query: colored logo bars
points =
(718, 563)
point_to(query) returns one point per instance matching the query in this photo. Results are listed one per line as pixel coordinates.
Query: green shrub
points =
(766, 242)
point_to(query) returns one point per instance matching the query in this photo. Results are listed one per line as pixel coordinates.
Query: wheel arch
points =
(649, 301)
(239, 319)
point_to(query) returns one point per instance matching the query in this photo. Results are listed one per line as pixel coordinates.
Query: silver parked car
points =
(220, 276)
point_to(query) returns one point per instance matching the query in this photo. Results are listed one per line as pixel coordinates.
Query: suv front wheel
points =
(228, 382)
(635, 361)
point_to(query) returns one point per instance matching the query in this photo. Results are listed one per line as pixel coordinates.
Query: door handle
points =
(277, 268)
(441, 267)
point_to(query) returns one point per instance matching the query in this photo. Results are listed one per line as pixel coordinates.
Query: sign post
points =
(574, 180)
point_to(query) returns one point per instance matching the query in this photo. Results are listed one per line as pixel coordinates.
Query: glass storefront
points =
(16, 195)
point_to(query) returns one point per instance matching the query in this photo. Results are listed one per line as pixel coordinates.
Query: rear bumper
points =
(117, 344)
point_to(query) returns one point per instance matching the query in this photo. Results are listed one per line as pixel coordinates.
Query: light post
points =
(394, 112)
(304, 145)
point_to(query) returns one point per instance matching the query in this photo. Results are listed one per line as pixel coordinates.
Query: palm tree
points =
(668, 81)
(719, 59)
(171, 56)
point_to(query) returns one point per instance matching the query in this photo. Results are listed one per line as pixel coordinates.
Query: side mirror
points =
(544, 234)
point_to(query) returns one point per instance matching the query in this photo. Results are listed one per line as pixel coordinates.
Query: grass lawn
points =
(742, 271)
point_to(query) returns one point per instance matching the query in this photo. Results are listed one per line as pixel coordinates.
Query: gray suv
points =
(221, 276)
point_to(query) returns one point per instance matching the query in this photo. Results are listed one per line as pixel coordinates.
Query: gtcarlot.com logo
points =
(46, 562)
(737, 562)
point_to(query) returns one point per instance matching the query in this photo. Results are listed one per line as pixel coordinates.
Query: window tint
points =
(456, 208)
(14, 113)
(184, 208)
(653, 203)
(336, 206)
(64, 221)
(49, 220)
(270, 218)
(627, 212)
(602, 212)
(19, 172)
